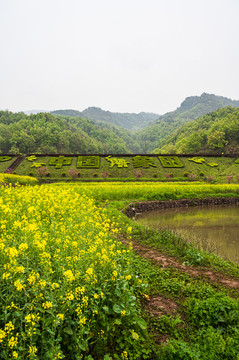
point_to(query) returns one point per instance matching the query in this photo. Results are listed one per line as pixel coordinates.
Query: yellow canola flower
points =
(32, 278)
(70, 296)
(23, 247)
(11, 252)
(47, 305)
(12, 342)
(32, 350)
(19, 285)
(89, 271)
(60, 316)
(69, 275)
(2, 335)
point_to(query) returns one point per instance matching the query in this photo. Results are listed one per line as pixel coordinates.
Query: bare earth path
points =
(160, 305)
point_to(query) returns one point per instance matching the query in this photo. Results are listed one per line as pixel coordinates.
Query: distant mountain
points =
(214, 133)
(34, 112)
(130, 121)
(191, 108)
(68, 112)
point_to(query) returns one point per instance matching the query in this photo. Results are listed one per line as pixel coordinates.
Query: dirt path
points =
(167, 261)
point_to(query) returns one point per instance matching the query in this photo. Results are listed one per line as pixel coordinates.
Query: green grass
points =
(5, 164)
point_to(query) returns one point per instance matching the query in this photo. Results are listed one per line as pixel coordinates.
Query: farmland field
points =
(69, 288)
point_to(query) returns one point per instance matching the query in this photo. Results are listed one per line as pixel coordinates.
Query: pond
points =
(213, 228)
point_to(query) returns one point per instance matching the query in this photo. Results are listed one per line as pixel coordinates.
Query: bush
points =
(209, 179)
(192, 177)
(137, 174)
(42, 171)
(105, 174)
(73, 174)
(229, 179)
(168, 176)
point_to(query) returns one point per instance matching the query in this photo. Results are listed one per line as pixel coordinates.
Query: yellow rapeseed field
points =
(66, 284)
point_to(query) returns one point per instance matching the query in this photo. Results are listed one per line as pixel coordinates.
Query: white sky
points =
(120, 55)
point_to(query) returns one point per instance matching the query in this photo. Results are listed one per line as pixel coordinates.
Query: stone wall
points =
(136, 208)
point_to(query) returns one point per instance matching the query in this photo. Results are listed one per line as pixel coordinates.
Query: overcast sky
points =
(120, 55)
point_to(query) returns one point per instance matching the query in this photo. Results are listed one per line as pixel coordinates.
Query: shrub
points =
(137, 174)
(105, 174)
(229, 179)
(168, 176)
(155, 175)
(95, 175)
(42, 171)
(170, 161)
(201, 173)
(192, 177)
(5, 158)
(209, 179)
(186, 174)
(73, 174)
(63, 174)
(212, 164)
(197, 160)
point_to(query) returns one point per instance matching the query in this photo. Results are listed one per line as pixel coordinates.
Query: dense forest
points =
(191, 108)
(174, 132)
(215, 132)
(46, 133)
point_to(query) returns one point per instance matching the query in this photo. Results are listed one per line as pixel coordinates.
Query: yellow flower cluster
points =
(58, 257)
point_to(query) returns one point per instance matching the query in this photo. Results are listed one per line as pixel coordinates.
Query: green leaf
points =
(135, 336)
(82, 347)
(107, 357)
(141, 323)
(68, 330)
(117, 309)
(117, 322)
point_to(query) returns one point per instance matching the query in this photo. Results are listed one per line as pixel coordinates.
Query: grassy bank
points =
(219, 169)
(71, 290)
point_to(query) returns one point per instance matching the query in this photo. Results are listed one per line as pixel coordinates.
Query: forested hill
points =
(191, 108)
(128, 121)
(214, 133)
(47, 133)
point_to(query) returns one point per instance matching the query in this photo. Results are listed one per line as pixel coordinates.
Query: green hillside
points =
(47, 133)
(217, 132)
(193, 107)
(221, 169)
(128, 121)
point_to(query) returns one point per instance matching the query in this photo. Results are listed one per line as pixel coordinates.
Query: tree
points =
(216, 140)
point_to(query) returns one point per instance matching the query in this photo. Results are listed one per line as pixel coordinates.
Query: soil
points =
(159, 305)
(163, 260)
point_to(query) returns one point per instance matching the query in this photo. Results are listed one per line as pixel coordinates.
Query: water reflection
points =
(214, 228)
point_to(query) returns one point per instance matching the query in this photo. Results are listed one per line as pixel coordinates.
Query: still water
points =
(213, 228)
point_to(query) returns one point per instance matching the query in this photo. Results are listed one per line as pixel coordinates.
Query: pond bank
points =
(139, 207)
